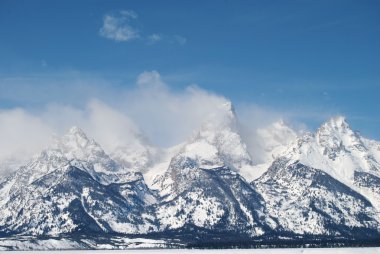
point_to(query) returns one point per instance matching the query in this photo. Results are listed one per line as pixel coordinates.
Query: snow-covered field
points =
(245, 251)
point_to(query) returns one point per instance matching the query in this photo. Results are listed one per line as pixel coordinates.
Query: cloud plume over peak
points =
(148, 112)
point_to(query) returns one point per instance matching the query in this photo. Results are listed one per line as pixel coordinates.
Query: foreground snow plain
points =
(238, 251)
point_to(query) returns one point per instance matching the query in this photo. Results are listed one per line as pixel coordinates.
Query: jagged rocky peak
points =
(336, 126)
(218, 142)
(215, 145)
(76, 143)
(337, 123)
(336, 135)
(202, 179)
(73, 185)
(76, 131)
(340, 152)
(72, 148)
(75, 148)
(332, 143)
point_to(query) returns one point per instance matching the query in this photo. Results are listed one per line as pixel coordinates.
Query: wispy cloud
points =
(117, 26)
(166, 117)
(113, 114)
(174, 39)
(154, 38)
(180, 39)
(120, 26)
(21, 135)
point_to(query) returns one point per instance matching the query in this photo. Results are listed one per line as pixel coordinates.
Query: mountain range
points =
(318, 189)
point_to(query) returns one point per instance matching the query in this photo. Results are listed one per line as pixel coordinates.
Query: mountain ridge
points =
(203, 185)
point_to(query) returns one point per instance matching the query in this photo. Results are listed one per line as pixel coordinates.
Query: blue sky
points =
(306, 59)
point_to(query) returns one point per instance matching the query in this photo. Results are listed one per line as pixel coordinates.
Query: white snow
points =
(334, 148)
(196, 209)
(225, 251)
(338, 151)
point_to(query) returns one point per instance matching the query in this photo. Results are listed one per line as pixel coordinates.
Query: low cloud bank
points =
(150, 111)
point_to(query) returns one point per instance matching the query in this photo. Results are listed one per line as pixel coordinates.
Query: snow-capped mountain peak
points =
(76, 149)
(319, 149)
(74, 185)
(339, 151)
(75, 130)
(325, 183)
(337, 122)
(218, 142)
(76, 145)
(335, 134)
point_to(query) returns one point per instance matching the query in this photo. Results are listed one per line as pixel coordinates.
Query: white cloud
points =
(168, 117)
(150, 79)
(118, 27)
(21, 131)
(174, 39)
(254, 117)
(129, 14)
(107, 125)
(154, 38)
(107, 113)
(21, 135)
(180, 39)
(113, 115)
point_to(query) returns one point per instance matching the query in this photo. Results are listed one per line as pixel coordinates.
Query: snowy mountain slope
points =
(218, 199)
(220, 131)
(325, 184)
(215, 145)
(74, 186)
(306, 200)
(343, 154)
(202, 188)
